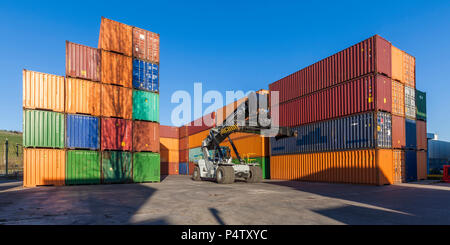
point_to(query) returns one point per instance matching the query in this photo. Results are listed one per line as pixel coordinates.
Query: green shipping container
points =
(421, 105)
(146, 167)
(264, 163)
(116, 167)
(43, 129)
(82, 167)
(145, 106)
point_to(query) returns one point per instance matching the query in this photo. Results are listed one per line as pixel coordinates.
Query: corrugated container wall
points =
(421, 134)
(410, 102)
(43, 91)
(196, 140)
(360, 95)
(168, 132)
(398, 99)
(373, 167)
(169, 168)
(398, 132)
(116, 134)
(117, 69)
(43, 129)
(146, 167)
(403, 67)
(146, 45)
(82, 61)
(183, 155)
(252, 146)
(116, 167)
(422, 165)
(421, 105)
(116, 101)
(145, 136)
(171, 144)
(82, 132)
(145, 106)
(43, 167)
(372, 55)
(82, 97)
(201, 124)
(183, 132)
(410, 165)
(169, 155)
(145, 76)
(183, 168)
(83, 167)
(115, 36)
(410, 134)
(361, 131)
(399, 166)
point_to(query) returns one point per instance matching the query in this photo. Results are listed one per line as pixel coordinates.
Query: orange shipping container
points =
(145, 45)
(421, 165)
(117, 69)
(374, 167)
(403, 67)
(169, 156)
(398, 157)
(421, 134)
(116, 101)
(195, 140)
(43, 91)
(82, 97)
(43, 167)
(115, 36)
(252, 146)
(169, 144)
(398, 99)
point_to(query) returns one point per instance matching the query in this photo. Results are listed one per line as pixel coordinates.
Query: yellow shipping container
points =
(43, 91)
(373, 167)
(43, 167)
(398, 99)
(83, 97)
(171, 144)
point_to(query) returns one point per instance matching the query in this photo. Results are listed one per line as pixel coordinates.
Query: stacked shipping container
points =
(88, 116)
(354, 106)
(169, 149)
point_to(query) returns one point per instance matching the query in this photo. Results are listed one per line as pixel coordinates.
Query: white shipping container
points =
(410, 102)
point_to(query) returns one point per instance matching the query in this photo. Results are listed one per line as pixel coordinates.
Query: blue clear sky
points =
(227, 44)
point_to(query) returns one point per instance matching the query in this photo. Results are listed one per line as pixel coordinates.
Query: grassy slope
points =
(13, 139)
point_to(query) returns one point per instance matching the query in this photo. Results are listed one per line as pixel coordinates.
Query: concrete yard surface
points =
(179, 200)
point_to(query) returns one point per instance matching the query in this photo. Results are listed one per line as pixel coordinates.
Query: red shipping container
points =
(168, 132)
(184, 144)
(372, 55)
(116, 134)
(421, 134)
(145, 136)
(184, 155)
(372, 92)
(182, 132)
(191, 168)
(204, 123)
(398, 132)
(169, 168)
(82, 61)
(145, 45)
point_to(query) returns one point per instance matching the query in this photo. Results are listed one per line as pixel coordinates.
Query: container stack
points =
(421, 134)
(169, 149)
(349, 111)
(88, 127)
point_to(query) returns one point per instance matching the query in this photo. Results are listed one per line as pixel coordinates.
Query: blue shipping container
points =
(82, 132)
(411, 137)
(411, 165)
(362, 131)
(183, 168)
(145, 75)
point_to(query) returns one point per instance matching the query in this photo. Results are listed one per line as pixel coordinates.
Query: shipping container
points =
(421, 134)
(116, 167)
(43, 167)
(168, 143)
(145, 45)
(145, 136)
(398, 132)
(145, 106)
(169, 155)
(169, 168)
(145, 76)
(397, 64)
(195, 154)
(361, 95)
(399, 166)
(183, 168)
(168, 132)
(422, 165)
(410, 165)
(195, 140)
(372, 167)
(116, 134)
(146, 167)
(409, 70)
(43, 129)
(83, 167)
(43, 91)
(82, 61)
(255, 146)
(82, 97)
(370, 56)
(116, 101)
(184, 143)
(410, 134)
(201, 124)
(398, 99)
(410, 102)
(264, 163)
(183, 155)
(115, 36)
(82, 132)
(182, 132)
(361, 131)
(191, 167)
(421, 105)
(117, 69)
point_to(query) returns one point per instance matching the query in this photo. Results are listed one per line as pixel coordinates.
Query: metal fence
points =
(11, 159)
